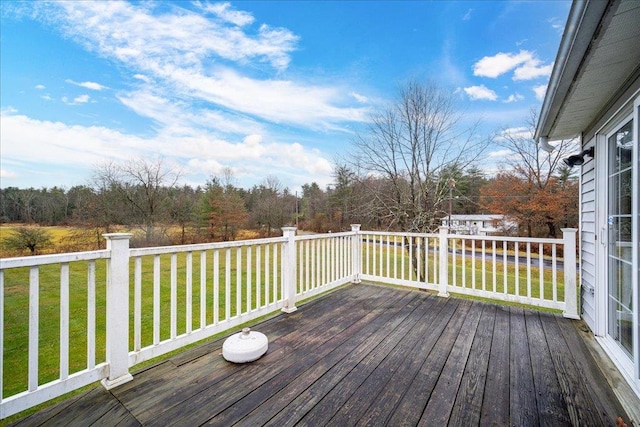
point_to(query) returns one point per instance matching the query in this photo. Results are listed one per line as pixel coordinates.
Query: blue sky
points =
(264, 88)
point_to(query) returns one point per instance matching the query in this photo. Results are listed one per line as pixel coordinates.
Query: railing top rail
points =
(467, 237)
(504, 238)
(325, 235)
(204, 246)
(398, 233)
(31, 261)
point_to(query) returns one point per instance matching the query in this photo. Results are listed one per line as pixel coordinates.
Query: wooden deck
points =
(371, 355)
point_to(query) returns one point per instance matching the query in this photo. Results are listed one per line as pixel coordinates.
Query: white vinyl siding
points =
(588, 238)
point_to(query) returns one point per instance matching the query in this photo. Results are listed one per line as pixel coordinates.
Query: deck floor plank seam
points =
(379, 378)
(551, 405)
(178, 386)
(495, 403)
(601, 394)
(309, 394)
(581, 408)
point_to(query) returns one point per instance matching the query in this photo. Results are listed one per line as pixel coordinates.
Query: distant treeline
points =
(166, 213)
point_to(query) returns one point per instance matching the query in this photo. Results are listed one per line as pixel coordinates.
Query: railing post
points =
(570, 276)
(356, 253)
(443, 268)
(117, 310)
(289, 274)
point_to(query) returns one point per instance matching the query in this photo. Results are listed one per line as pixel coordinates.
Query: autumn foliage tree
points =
(537, 191)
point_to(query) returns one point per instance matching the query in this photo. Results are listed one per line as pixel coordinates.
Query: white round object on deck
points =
(245, 346)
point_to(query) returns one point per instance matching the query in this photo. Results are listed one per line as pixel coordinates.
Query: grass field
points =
(60, 237)
(74, 239)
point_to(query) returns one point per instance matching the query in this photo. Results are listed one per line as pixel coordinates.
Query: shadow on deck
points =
(371, 355)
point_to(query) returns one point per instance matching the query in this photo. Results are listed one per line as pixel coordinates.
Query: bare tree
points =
(405, 156)
(143, 186)
(528, 161)
(268, 208)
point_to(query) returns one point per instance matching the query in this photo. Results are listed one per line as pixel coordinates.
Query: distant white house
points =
(481, 225)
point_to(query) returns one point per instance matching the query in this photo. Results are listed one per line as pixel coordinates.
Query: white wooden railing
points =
(182, 294)
(512, 269)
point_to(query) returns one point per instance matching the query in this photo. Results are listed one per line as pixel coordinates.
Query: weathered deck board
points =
(443, 397)
(600, 392)
(522, 397)
(549, 398)
(388, 398)
(371, 355)
(495, 406)
(579, 403)
(468, 403)
(410, 408)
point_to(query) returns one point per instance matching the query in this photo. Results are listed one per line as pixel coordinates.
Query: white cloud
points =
(514, 97)
(540, 91)
(135, 34)
(226, 13)
(57, 143)
(274, 100)
(178, 118)
(500, 153)
(187, 55)
(4, 173)
(480, 92)
(360, 98)
(46, 97)
(87, 85)
(519, 132)
(81, 99)
(500, 63)
(524, 63)
(142, 77)
(200, 154)
(39, 87)
(531, 70)
(467, 15)
(557, 24)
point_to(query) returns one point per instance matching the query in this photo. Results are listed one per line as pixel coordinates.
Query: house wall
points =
(588, 238)
(592, 180)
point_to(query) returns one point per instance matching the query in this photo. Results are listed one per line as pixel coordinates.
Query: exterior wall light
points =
(578, 159)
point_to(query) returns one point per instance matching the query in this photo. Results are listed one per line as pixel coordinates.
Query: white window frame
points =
(630, 368)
